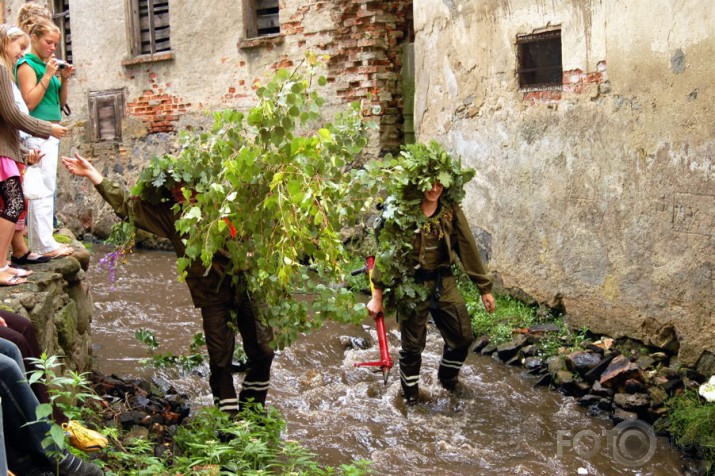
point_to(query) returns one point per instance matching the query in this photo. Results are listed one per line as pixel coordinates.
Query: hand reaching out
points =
(58, 131)
(81, 167)
(34, 156)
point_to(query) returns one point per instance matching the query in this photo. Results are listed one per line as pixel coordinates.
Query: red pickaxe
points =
(385, 362)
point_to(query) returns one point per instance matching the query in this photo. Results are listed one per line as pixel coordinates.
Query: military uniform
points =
(435, 249)
(217, 297)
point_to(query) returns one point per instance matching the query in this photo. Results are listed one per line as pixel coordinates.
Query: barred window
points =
(262, 18)
(539, 60)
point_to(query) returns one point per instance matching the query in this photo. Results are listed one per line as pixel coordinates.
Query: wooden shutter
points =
(105, 115)
(151, 26)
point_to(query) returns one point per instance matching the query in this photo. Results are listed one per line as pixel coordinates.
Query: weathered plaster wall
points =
(601, 196)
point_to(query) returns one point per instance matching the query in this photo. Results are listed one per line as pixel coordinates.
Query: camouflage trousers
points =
(449, 312)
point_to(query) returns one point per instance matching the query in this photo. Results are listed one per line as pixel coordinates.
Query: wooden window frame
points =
(539, 73)
(262, 18)
(136, 34)
(61, 17)
(99, 99)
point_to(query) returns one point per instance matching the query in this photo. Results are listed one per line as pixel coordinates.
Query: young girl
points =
(12, 120)
(45, 95)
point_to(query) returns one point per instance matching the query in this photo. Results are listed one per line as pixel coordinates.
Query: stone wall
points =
(57, 300)
(599, 196)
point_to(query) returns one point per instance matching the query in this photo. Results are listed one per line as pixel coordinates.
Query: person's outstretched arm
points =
(156, 219)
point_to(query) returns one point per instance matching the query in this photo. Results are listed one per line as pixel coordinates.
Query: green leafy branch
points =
(69, 391)
(279, 188)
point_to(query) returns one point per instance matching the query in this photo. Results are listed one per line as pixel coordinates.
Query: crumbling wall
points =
(212, 65)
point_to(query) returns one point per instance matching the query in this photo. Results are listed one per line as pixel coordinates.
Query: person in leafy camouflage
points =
(424, 238)
(224, 304)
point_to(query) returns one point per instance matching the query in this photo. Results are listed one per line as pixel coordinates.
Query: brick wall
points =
(362, 41)
(574, 81)
(366, 61)
(158, 109)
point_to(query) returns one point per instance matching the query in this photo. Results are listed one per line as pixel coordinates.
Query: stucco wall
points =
(601, 196)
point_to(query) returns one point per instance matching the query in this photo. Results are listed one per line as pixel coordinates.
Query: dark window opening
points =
(105, 115)
(265, 18)
(61, 18)
(539, 60)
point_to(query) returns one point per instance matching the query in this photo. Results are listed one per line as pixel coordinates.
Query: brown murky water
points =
(496, 424)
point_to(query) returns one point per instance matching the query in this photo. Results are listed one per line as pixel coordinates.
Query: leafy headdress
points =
(418, 166)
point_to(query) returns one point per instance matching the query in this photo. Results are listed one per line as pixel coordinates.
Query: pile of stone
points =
(141, 409)
(623, 384)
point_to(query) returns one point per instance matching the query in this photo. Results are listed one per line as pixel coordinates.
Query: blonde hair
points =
(42, 27)
(29, 13)
(8, 34)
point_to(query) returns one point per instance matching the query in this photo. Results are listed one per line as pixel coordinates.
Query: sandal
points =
(12, 280)
(60, 252)
(29, 258)
(19, 272)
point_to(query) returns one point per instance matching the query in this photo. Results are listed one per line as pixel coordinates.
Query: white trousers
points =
(40, 213)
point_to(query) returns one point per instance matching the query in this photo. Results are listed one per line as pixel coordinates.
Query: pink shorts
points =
(8, 168)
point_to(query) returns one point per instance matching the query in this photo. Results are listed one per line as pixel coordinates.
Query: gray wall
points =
(602, 197)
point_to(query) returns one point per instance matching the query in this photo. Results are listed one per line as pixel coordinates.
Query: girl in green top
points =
(45, 95)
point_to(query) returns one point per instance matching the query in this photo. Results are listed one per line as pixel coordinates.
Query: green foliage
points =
(271, 189)
(186, 362)
(692, 425)
(358, 282)
(413, 171)
(578, 336)
(122, 234)
(510, 314)
(212, 443)
(410, 174)
(69, 391)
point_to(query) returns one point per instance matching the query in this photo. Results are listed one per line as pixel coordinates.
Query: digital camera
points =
(61, 64)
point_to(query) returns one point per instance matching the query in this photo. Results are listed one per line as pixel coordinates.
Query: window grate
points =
(267, 21)
(539, 60)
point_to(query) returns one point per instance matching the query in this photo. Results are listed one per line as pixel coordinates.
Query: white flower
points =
(707, 390)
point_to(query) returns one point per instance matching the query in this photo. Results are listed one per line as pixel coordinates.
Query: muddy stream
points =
(497, 423)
